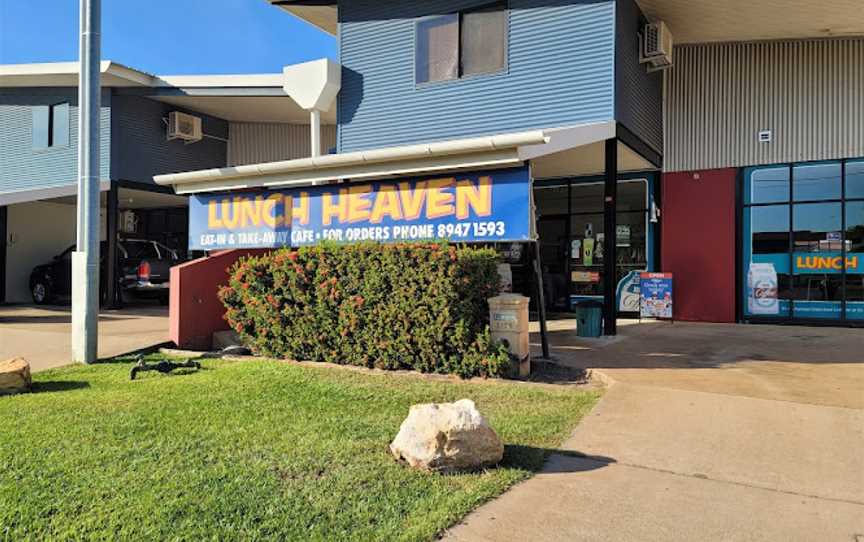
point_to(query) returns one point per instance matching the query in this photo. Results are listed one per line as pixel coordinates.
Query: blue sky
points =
(165, 36)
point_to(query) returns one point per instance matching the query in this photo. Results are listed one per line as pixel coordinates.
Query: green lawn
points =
(249, 450)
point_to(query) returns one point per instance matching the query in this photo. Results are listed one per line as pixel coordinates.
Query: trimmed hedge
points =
(389, 306)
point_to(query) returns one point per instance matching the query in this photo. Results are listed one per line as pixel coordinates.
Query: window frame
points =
(460, 75)
(51, 120)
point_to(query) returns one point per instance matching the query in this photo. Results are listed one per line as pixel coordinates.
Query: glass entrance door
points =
(803, 249)
(571, 230)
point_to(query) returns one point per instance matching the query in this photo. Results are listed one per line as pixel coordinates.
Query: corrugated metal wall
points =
(22, 167)
(141, 150)
(256, 143)
(638, 94)
(719, 96)
(560, 72)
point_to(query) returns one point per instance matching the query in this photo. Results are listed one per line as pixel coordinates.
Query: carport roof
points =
(236, 97)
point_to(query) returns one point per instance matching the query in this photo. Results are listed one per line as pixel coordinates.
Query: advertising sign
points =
(762, 289)
(655, 295)
(489, 206)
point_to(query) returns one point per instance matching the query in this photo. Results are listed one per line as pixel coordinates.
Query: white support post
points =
(315, 127)
(85, 260)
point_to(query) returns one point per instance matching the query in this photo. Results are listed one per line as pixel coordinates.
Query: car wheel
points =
(41, 292)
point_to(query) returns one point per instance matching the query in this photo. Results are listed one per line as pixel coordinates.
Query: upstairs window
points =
(455, 45)
(51, 126)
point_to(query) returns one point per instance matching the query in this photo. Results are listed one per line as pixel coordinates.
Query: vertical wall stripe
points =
(256, 143)
(810, 94)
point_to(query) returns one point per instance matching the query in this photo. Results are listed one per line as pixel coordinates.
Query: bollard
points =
(508, 321)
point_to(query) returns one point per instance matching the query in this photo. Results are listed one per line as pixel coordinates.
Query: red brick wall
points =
(698, 243)
(195, 311)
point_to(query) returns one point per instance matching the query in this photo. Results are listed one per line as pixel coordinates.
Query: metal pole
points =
(541, 301)
(85, 260)
(610, 244)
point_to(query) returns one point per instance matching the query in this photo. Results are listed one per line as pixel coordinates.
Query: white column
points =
(315, 127)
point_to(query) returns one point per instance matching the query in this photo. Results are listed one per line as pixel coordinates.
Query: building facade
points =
(732, 161)
(39, 145)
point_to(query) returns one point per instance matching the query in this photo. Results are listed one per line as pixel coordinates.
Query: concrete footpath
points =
(700, 445)
(42, 335)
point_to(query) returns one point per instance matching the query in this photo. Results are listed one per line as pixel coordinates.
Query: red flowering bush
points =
(390, 306)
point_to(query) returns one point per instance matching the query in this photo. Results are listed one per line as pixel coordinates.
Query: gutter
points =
(497, 150)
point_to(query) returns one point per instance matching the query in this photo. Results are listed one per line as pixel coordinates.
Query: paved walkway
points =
(710, 433)
(42, 335)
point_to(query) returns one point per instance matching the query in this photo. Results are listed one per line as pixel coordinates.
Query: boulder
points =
(447, 437)
(14, 376)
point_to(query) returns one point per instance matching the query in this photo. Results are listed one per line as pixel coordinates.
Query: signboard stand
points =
(656, 294)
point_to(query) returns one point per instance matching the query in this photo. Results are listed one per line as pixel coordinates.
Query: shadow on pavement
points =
(551, 460)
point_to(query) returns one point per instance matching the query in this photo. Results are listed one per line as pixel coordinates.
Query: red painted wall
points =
(195, 311)
(698, 243)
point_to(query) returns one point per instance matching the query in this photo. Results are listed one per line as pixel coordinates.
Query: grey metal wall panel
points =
(256, 143)
(638, 93)
(142, 151)
(560, 72)
(22, 167)
(809, 93)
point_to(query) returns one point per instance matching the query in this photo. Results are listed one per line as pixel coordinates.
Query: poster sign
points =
(762, 284)
(655, 295)
(491, 206)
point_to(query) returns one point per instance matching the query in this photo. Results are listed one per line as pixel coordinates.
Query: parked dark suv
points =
(144, 272)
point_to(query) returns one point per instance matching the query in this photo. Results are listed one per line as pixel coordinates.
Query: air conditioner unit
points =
(184, 126)
(657, 45)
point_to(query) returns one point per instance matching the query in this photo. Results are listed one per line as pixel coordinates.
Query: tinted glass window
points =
(41, 114)
(60, 125)
(484, 40)
(137, 251)
(551, 200)
(817, 227)
(855, 246)
(437, 49)
(855, 179)
(770, 227)
(816, 182)
(769, 185)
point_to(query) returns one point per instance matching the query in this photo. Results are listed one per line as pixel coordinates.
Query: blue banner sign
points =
(488, 206)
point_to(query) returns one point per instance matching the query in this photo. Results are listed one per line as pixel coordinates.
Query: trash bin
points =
(589, 316)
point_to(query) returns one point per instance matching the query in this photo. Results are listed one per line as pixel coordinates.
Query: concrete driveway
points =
(42, 335)
(708, 432)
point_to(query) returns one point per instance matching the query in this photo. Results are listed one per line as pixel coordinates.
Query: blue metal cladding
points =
(638, 94)
(24, 168)
(141, 149)
(560, 72)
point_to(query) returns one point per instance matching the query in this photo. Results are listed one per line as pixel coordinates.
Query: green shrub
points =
(389, 306)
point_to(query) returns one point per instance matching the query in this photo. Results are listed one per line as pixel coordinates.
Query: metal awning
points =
(494, 151)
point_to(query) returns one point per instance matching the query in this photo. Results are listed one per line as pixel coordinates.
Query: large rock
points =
(14, 376)
(447, 437)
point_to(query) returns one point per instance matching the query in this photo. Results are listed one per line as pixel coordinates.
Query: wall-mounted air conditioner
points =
(184, 126)
(657, 45)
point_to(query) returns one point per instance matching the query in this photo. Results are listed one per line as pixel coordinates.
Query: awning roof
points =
(550, 150)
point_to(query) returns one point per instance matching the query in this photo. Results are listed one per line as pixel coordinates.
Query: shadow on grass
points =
(54, 386)
(549, 460)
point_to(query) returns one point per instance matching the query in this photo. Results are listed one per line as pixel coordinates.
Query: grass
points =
(249, 450)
